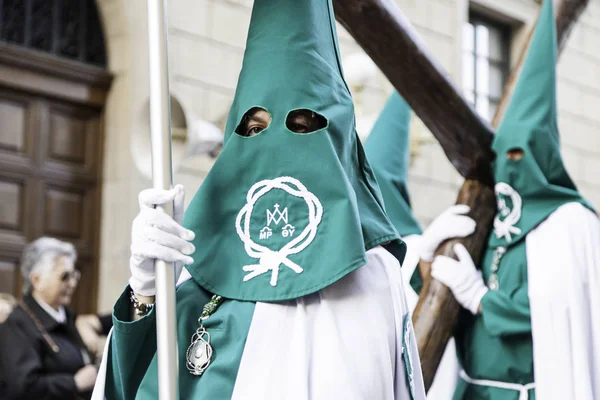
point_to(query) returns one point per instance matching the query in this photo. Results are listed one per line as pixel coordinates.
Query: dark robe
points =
(29, 368)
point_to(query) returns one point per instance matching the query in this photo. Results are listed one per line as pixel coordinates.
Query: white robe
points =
(345, 340)
(446, 376)
(563, 263)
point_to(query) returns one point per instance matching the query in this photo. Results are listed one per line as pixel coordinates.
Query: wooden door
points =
(51, 113)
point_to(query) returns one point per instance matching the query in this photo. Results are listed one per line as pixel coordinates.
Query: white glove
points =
(463, 279)
(155, 235)
(452, 223)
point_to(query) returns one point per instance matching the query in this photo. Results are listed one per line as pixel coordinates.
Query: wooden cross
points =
(387, 37)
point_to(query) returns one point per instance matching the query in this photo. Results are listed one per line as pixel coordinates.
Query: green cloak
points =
(497, 344)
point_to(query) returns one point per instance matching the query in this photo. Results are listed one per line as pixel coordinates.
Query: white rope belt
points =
(522, 389)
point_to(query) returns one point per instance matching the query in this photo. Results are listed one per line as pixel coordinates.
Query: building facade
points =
(475, 41)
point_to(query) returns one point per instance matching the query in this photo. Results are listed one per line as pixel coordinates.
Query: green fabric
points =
(530, 124)
(131, 350)
(307, 205)
(416, 281)
(387, 149)
(497, 344)
(132, 372)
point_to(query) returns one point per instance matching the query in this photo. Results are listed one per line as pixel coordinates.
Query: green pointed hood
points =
(388, 151)
(531, 188)
(283, 214)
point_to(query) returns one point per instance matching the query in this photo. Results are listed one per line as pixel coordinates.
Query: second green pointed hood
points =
(281, 214)
(531, 188)
(388, 151)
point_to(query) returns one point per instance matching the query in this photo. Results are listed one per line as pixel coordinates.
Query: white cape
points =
(446, 376)
(338, 343)
(563, 263)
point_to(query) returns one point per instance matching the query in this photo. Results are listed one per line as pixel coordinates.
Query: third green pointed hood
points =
(531, 188)
(282, 214)
(388, 151)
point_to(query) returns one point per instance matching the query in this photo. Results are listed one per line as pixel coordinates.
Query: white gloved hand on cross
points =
(461, 277)
(452, 223)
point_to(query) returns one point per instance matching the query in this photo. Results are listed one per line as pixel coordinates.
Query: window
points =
(65, 28)
(485, 63)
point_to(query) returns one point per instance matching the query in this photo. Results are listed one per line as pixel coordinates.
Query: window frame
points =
(477, 19)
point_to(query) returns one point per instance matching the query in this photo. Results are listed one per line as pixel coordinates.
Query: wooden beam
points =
(437, 310)
(389, 39)
(386, 35)
(567, 16)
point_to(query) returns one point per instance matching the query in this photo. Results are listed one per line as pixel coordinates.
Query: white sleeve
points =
(563, 262)
(183, 277)
(98, 393)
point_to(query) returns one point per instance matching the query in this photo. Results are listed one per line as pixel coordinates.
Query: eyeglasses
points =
(70, 275)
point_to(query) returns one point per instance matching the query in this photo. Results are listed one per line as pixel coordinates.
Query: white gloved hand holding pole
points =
(461, 277)
(452, 223)
(155, 235)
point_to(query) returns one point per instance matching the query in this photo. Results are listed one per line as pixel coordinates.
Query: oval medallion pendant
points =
(199, 353)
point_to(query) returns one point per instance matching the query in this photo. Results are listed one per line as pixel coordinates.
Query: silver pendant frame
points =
(197, 365)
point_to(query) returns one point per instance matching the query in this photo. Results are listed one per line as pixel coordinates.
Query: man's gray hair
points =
(39, 255)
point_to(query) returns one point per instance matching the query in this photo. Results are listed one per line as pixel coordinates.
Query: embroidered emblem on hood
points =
(509, 211)
(270, 258)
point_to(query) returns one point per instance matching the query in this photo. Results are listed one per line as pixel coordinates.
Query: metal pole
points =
(162, 177)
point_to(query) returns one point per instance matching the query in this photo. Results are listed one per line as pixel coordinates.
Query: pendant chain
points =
(199, 353)
(210, 308)
(493, 282)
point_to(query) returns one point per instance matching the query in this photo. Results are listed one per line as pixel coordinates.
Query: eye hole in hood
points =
(515, 153)
(254, 121)
(304, 121)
